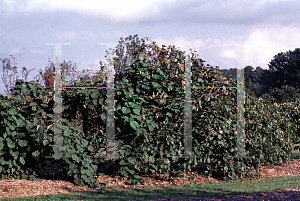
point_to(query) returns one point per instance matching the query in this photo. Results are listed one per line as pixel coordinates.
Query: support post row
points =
(110, 124)
(58, 138)
(110, 120)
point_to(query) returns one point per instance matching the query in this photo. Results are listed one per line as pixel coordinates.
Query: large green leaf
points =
(136, 111)
(126, 110)
(137, 176)
(122, 162)
(12, 111)
(88, 173)
(124, 173)
(22, 143)
(2, 161)
(156, 85)
(132, 160)
(13, 153)
(130, 171)
(151, 128)
(157, 77)
(8, 103)
(10, 144)
(122, 152)
(134, 125)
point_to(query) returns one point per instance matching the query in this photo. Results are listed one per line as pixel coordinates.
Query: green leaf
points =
(156, 85)
(94, 167)
(36, 153)
(88, 173)
(91, 148)
(169, 114)
(126, 110)
(32, 177)
(85, 178)
(136, 111)
(57, 155)
(122, 162)
(131, 171)
(122, 152)
(12, 111)
(124, 173)
(10, 143)
(132, 160)
(45, 142)
(8, 103)
(134, 125)
(136, 176)
(2, 161)
(22, 143)
(12, 153)
(163, 166)
(151, 158)
(156, 77)
(84, 142)
(151, 128)
(14, 162)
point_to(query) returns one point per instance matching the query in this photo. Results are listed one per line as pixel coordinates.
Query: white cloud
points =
(117, 11)
(268, 42)
(228, 53)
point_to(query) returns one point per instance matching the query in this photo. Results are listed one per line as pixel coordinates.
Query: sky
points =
(212, 28)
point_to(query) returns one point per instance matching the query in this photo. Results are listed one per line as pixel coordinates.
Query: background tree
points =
(293, 68)
(253, 80)
(278, 65)
(284, 69)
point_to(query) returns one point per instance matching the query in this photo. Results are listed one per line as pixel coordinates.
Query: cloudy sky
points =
(212, 28)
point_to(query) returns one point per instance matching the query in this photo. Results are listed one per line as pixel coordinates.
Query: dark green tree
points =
(284, 69)
(257, 80)
(293, 69)
(279, 65)
(253, 79)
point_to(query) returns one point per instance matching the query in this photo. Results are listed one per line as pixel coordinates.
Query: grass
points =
(200, 190)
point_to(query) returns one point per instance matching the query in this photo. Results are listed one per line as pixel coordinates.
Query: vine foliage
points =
(149, 123)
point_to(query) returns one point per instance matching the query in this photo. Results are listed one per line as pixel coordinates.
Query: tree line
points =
(284, 70)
